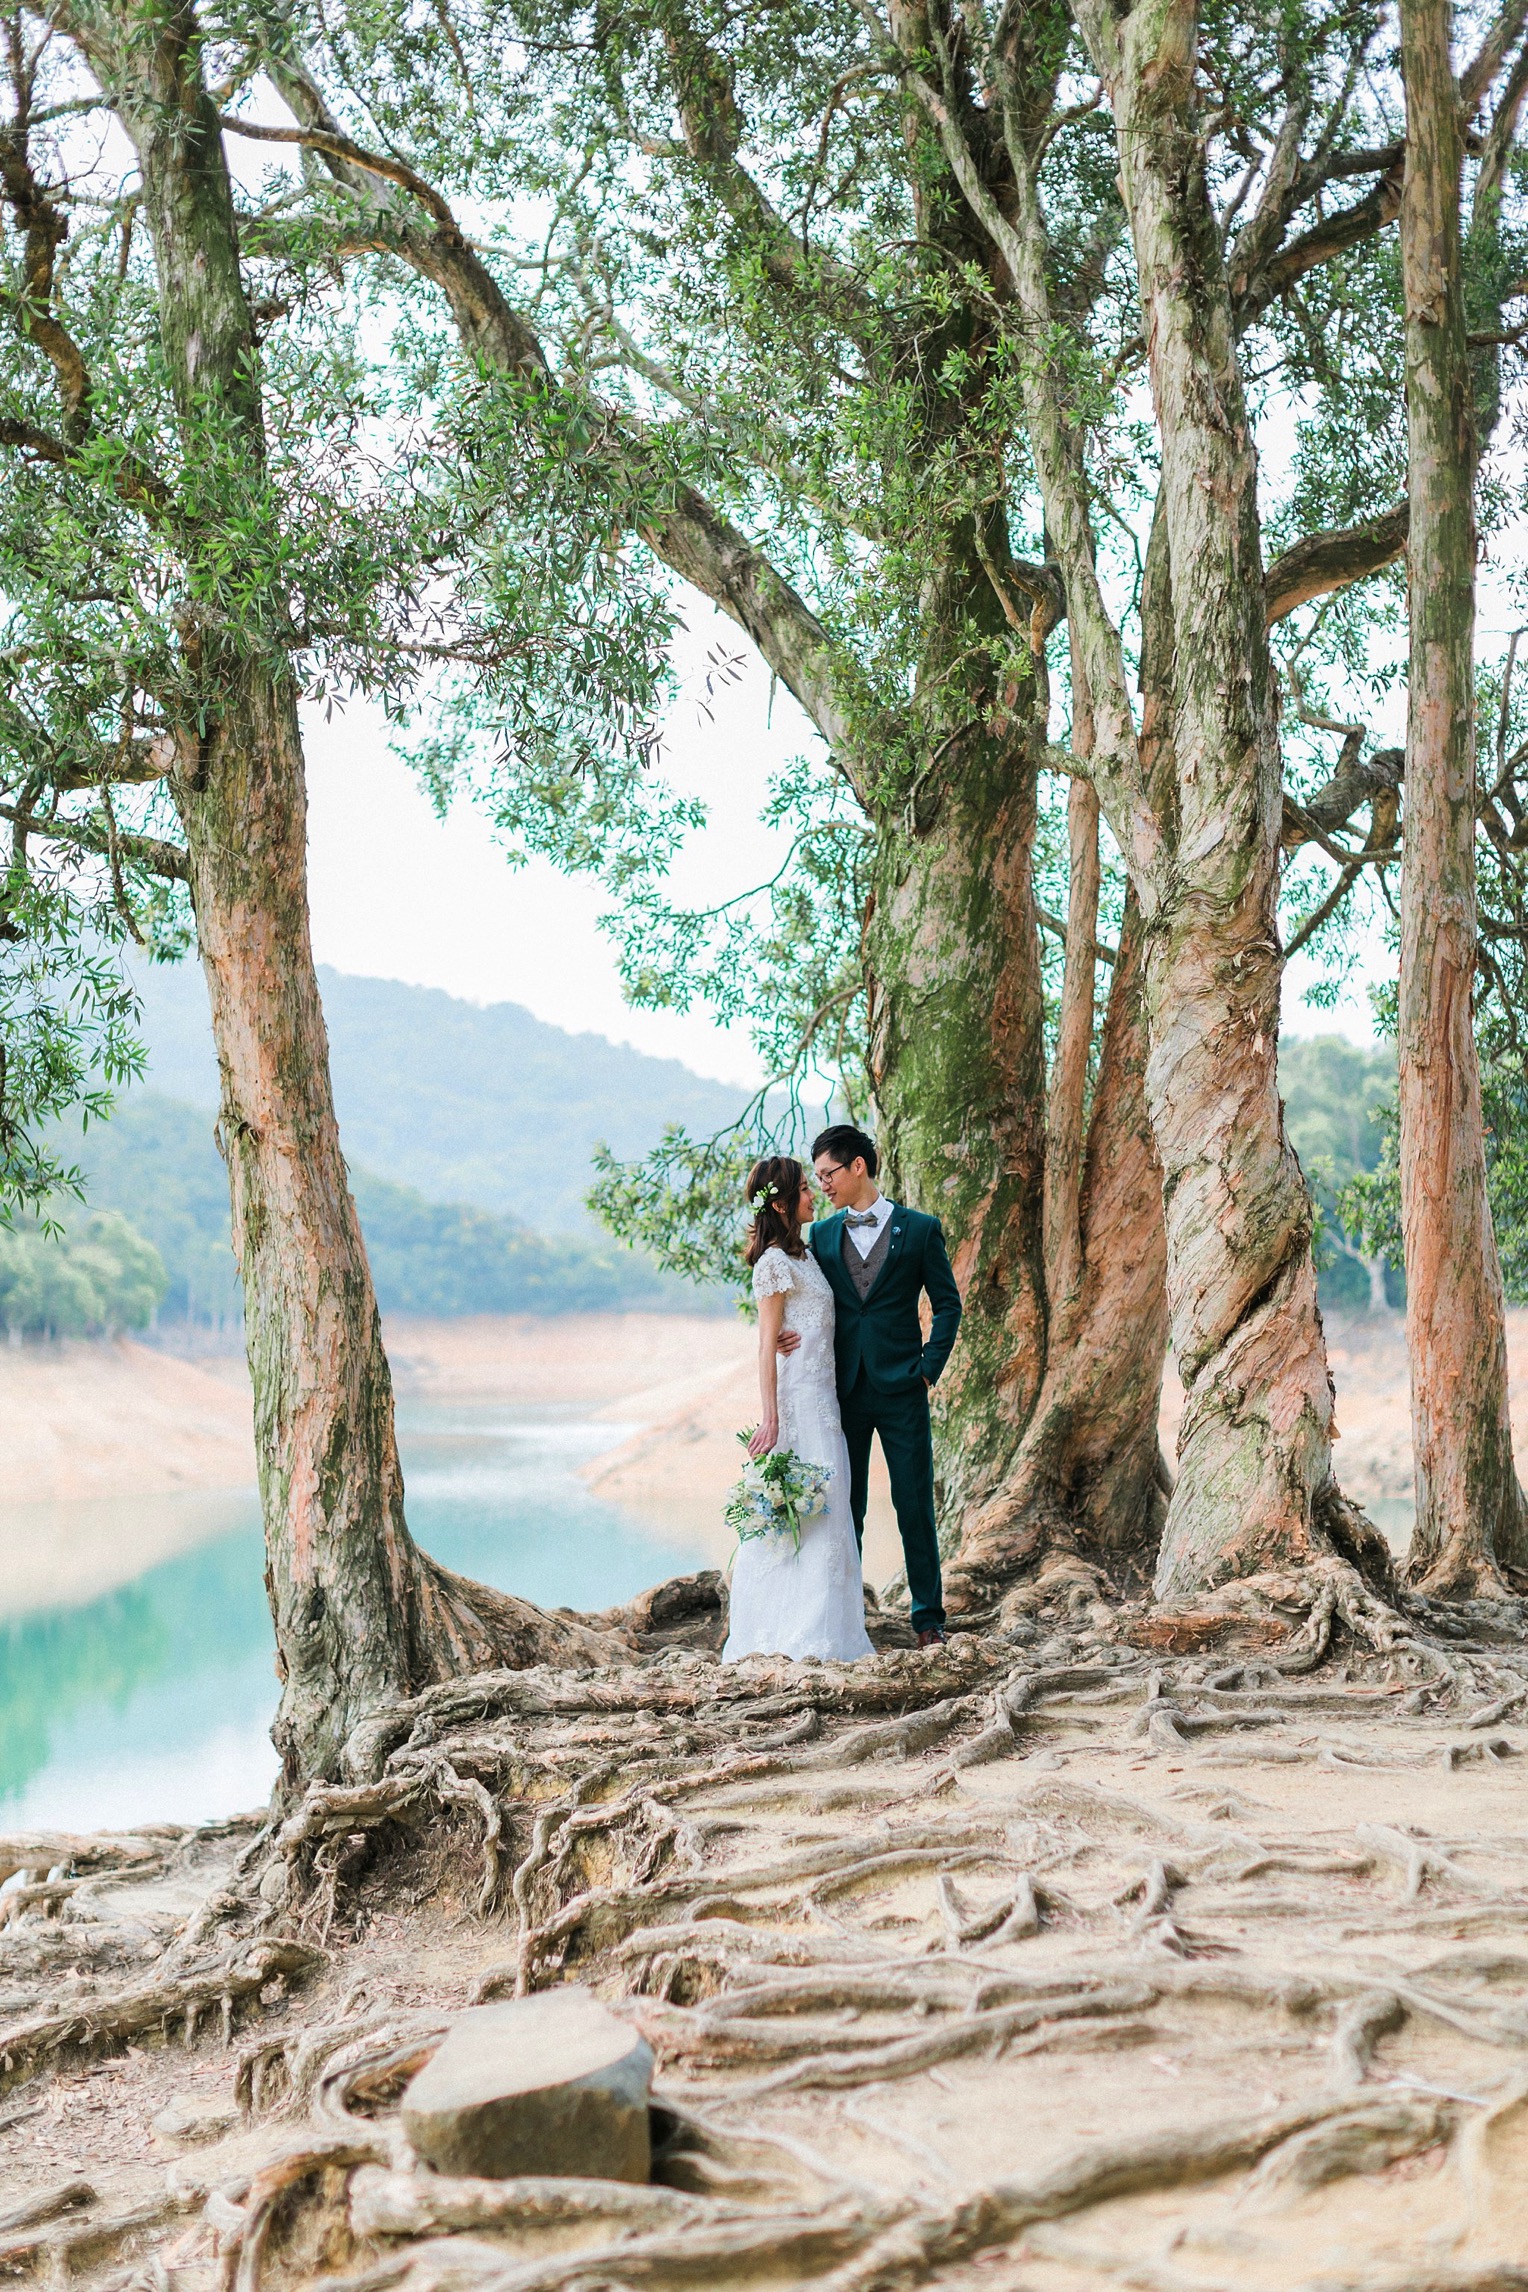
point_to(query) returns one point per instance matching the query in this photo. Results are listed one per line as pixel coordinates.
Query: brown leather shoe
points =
(937, 1637)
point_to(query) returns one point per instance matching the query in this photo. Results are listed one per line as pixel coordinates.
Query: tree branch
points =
(1256, 285)
(1327, 561)
(683, 530)
(43, 227)
(1056, 927)
(1253, 290)
(1353, 784)
(151, 852)
(135, 485)
(711, 124)
(1477, 76)
(333, 145)
(1022, 246)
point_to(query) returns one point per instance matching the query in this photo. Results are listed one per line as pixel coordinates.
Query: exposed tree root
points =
(172, 2007)
(840, 1902)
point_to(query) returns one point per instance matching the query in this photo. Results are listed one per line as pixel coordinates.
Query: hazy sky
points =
(398, 894)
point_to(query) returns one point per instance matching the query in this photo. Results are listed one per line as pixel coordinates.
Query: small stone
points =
(193, 2119)
(548, 2084)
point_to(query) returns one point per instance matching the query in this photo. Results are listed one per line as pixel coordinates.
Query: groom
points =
(880, 1257)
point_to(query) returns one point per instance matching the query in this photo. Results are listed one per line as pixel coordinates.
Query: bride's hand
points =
(765, 1438)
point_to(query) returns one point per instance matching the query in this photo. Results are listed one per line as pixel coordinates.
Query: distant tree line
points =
(155, 1242)
(94, 1279)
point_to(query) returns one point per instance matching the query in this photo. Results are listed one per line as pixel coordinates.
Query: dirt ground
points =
(101, 1419)
(1077, 1968)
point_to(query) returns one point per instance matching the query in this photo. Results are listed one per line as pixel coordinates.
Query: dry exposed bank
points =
(119, 1455)
(109, 1428)
(117, 1418)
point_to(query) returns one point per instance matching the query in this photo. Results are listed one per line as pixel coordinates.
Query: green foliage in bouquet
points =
(776, 1494)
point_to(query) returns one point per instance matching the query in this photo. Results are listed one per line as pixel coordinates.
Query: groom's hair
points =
(846, 1144)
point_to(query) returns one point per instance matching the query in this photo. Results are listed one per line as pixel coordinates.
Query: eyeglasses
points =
(833, 1170)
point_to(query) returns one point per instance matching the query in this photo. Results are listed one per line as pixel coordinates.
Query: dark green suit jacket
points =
(882, 1333)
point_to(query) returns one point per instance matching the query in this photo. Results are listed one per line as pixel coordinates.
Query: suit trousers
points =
(907, 1444)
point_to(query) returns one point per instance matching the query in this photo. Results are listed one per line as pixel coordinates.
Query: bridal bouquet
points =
(776, 1493)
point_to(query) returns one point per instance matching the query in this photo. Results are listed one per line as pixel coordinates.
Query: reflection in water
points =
(153, 1702)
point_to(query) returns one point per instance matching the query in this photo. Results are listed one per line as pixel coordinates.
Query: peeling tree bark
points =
(1470, 1518)
(1067, 1104)
(958, 1068)
(1088, 1476)
(1254, 1450)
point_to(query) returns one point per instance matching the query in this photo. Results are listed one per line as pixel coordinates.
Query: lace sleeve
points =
(772, 1274)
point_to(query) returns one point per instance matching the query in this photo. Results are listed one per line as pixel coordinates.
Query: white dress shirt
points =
(865, 1238)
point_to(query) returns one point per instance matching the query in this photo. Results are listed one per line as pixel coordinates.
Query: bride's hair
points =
(772, 1193)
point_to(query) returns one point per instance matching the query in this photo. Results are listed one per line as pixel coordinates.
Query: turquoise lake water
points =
(153, 1702)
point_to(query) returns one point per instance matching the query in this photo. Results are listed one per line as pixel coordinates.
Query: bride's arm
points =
(771, 1317)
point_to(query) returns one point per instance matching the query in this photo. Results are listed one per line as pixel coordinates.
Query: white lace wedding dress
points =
(810, 1602)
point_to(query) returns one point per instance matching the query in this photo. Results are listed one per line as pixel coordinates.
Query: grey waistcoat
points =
(863, 1270)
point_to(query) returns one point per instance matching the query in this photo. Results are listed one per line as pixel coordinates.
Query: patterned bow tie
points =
(862, 1217)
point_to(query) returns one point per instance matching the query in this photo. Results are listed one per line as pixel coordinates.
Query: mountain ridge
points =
(464, 1102)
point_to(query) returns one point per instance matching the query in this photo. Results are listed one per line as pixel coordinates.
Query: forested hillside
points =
(155, 1183)
(485, 1119)
(153, 1171)
(469, 1104)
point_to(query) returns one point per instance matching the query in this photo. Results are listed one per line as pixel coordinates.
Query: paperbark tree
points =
(362, 1617)
(1254, 1487)
(1253, 1453)
(1471, 1519)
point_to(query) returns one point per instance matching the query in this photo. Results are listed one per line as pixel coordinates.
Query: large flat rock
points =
(546, 2084)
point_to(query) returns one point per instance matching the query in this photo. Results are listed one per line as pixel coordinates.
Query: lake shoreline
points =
(120, 1455)
(146, 1450)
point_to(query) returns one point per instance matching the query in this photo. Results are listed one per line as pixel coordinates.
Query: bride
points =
(784, 1601)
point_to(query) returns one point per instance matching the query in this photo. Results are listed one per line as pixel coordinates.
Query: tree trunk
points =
(1254, 1450)
(1379, 1295)
(1088, 1474)
(1067, 1104)
(361, 1616)
(1470, 1518)
(958, 1066)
